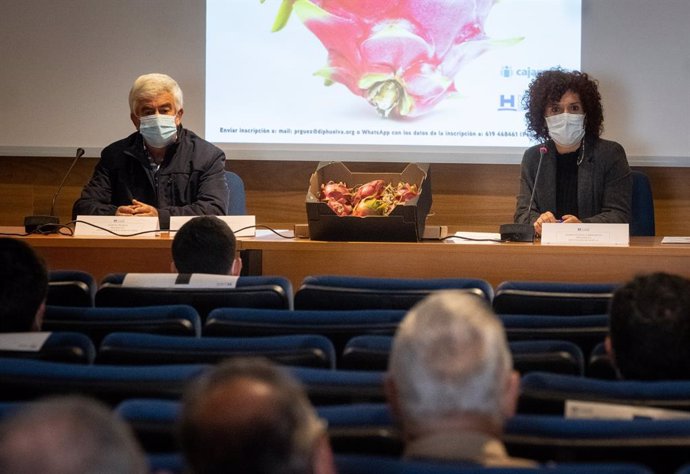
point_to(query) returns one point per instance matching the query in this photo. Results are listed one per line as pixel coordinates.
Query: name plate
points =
(242, 226)
(23, 341)
(178, 280)
(585, 234)
(116, 226)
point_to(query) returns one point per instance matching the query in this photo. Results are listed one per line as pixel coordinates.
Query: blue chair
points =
(642, 208)
(552, 298)
(70, 288)
(299, 350)
(333, 387)
(371, 352)
(250, 292)
(661, 445)
(363, 464)
(585, 331)
(338, 326)
(237, 201)
(544, 393)
(153, 421)
(327, 292)
(22, 379)
(600, 365)
(177, 320)
(71, 347)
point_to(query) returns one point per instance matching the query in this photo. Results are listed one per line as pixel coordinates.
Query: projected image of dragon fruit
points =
(402, 56)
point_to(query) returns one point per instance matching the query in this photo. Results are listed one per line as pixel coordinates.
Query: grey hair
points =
(68, 434)
(151, 85)
(450, 356)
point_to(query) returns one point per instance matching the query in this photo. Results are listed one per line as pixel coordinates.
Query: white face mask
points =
(158, 130)
(566, 129)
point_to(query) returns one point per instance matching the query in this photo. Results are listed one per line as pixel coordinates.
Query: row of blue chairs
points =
(328, 292)
(368, 352)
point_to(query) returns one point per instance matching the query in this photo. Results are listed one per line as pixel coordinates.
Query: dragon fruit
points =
(370, 206)
(400, 55)
(372, 188)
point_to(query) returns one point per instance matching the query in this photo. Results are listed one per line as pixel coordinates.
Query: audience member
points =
(450, 381)
(68, 435)
(248, 416)
(650, 328)
(23, 287)
(162, 169)
(205, 244)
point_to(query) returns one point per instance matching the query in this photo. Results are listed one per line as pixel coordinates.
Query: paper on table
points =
(475, 238)
(675, 240)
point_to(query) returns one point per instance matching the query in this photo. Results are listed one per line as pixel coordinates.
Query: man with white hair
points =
(162, 169)
(451, 383)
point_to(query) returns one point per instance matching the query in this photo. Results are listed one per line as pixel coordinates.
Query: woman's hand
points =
(542, 219)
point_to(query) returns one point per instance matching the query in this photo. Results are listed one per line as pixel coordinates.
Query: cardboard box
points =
(404, 224)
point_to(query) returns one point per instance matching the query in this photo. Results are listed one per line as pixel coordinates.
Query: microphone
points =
(524, 232)
(49, 224)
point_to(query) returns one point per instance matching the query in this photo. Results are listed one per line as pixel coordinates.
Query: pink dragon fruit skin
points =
(400, 55)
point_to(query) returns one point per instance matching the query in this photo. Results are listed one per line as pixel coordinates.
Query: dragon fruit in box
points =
(372, 206)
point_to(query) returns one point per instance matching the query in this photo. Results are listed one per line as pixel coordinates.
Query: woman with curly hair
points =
(583, 178)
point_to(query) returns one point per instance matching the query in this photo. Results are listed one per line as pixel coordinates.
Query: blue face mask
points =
(158, 131)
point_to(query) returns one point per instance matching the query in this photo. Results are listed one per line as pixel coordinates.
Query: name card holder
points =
(582, 234)
(116, 226)
(242, 226)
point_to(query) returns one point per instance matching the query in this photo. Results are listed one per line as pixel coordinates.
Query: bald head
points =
(249, 416)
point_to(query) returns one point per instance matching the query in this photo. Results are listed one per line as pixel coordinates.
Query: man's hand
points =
(137, 208)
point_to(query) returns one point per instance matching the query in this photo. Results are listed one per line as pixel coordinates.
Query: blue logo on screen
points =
(509, 103)
(508, 71)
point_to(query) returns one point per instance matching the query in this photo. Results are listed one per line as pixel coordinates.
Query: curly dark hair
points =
(548, 87)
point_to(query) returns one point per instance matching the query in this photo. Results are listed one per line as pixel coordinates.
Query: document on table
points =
(475, 238)
(675, 240)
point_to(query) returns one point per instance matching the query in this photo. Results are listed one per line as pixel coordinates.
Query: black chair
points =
(177, 320)
(249, 292)
(71, 347)
(327, 292)
(338, 326)
(134, 349)
(545, 393)
(552, 298)
(154, 422)
(642, 208)
(70, 288)
(22, 379)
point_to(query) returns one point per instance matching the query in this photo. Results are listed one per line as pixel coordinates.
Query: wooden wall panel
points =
(473, 197)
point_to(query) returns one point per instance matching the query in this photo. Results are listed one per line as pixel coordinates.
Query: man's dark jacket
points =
(190, 181)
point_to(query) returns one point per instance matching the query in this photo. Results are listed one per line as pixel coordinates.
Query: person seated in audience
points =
(248, 415)
(68, 435)
(451, 383)
(649, 328)
(23, 287)
(205, 244)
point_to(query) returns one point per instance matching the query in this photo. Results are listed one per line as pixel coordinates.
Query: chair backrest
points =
(332, 387)
(330, 292)
(371, 352)
(179, 320)
(299, 350)
(72, 347)
(22, 379)
(661, 445)
(552, 298)
(154, 422)
(585, 331)
(338, 326)
(642, 209)
(237, 201)
(249, 292)
(544, 393)
(70, 288)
